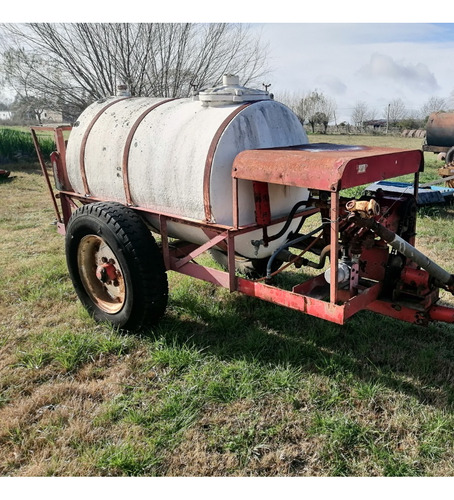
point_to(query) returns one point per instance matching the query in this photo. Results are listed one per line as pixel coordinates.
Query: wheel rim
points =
(101, 274)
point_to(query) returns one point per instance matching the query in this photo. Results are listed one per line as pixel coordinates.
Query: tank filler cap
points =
(231, 92)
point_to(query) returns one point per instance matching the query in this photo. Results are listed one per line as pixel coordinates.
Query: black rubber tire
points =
(449, 156)
(143, 274)
(252, 268)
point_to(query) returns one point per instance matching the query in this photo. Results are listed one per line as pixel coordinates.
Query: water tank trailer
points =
(231, 171)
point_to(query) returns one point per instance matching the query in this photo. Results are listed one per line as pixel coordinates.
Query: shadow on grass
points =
(6, 180)
(416, 361)
(30, 166)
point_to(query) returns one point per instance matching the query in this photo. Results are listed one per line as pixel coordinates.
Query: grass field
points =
(226, 385)
(16, 144)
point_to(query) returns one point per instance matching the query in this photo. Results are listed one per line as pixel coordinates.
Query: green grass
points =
(225, 385)
(69, 350)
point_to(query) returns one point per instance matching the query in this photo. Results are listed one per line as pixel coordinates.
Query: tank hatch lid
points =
(326, 167)
(231, 92)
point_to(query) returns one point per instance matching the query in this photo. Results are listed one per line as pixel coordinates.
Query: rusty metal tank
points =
(440, 130)
(175, 156)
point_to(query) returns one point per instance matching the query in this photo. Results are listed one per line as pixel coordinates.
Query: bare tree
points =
(291, 99)
(450, 101)
(304, 108)
(75, 64)
(432, 105)
(29, 109)
(29, 103)
(316, 108)
(360, 114)
(395, 111)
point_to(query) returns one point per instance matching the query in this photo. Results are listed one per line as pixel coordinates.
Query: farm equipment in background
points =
(231, 171)
(440, 140)
(431, 193)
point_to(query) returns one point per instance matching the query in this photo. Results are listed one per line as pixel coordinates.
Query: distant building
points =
(50, 116)
(375, 124)
(5, 115)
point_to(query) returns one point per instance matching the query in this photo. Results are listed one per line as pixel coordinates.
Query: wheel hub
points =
(101, 274)
(107, 272)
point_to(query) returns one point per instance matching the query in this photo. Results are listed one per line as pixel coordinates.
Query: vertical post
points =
(387, 119)
(61, 146)
(65, 202)
(230, 238)
(45, 174)
(164, 241)
(334, 240)
(236, 221)
(262, 203)
(416, 186)
(231, 262)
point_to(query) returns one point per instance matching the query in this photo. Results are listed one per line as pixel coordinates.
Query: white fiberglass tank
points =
(174, 156)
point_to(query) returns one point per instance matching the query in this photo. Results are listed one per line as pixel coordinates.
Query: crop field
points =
(225, 385)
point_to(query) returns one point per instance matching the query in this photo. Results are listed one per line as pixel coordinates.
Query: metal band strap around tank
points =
(83, 145)
(125, 162)
(209, 160)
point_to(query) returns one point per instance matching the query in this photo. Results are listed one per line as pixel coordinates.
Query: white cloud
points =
(332, 84)
(414, 75)
(375, 63)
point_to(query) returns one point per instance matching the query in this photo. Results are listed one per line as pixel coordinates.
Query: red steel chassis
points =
(325, 171)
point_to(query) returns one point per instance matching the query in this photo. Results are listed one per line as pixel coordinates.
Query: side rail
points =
(59, 170)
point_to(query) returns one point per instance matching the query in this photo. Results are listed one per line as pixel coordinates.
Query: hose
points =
(289, 221)
(289, 244)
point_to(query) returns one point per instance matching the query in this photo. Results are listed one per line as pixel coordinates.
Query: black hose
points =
(289, 244)
(289, 221)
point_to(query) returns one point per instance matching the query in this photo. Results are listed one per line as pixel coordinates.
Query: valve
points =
(365, 209)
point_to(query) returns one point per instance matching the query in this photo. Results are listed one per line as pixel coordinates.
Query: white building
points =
(50, 116)
(5, 115)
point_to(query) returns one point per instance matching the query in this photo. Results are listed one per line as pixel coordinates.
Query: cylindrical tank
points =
(440, 130)
(175, 156)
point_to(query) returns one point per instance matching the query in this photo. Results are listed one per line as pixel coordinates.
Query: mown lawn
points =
(226, 385)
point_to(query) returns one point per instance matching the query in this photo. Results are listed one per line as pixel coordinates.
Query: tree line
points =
(317, 110)
(66, 66)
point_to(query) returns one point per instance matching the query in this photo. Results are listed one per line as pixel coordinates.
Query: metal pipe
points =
(286, 256)
(334, 248)
(322, 259)
(403, 247)
(441, 313)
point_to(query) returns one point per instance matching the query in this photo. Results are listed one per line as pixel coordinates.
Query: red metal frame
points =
(326, 167)
(332, 173)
